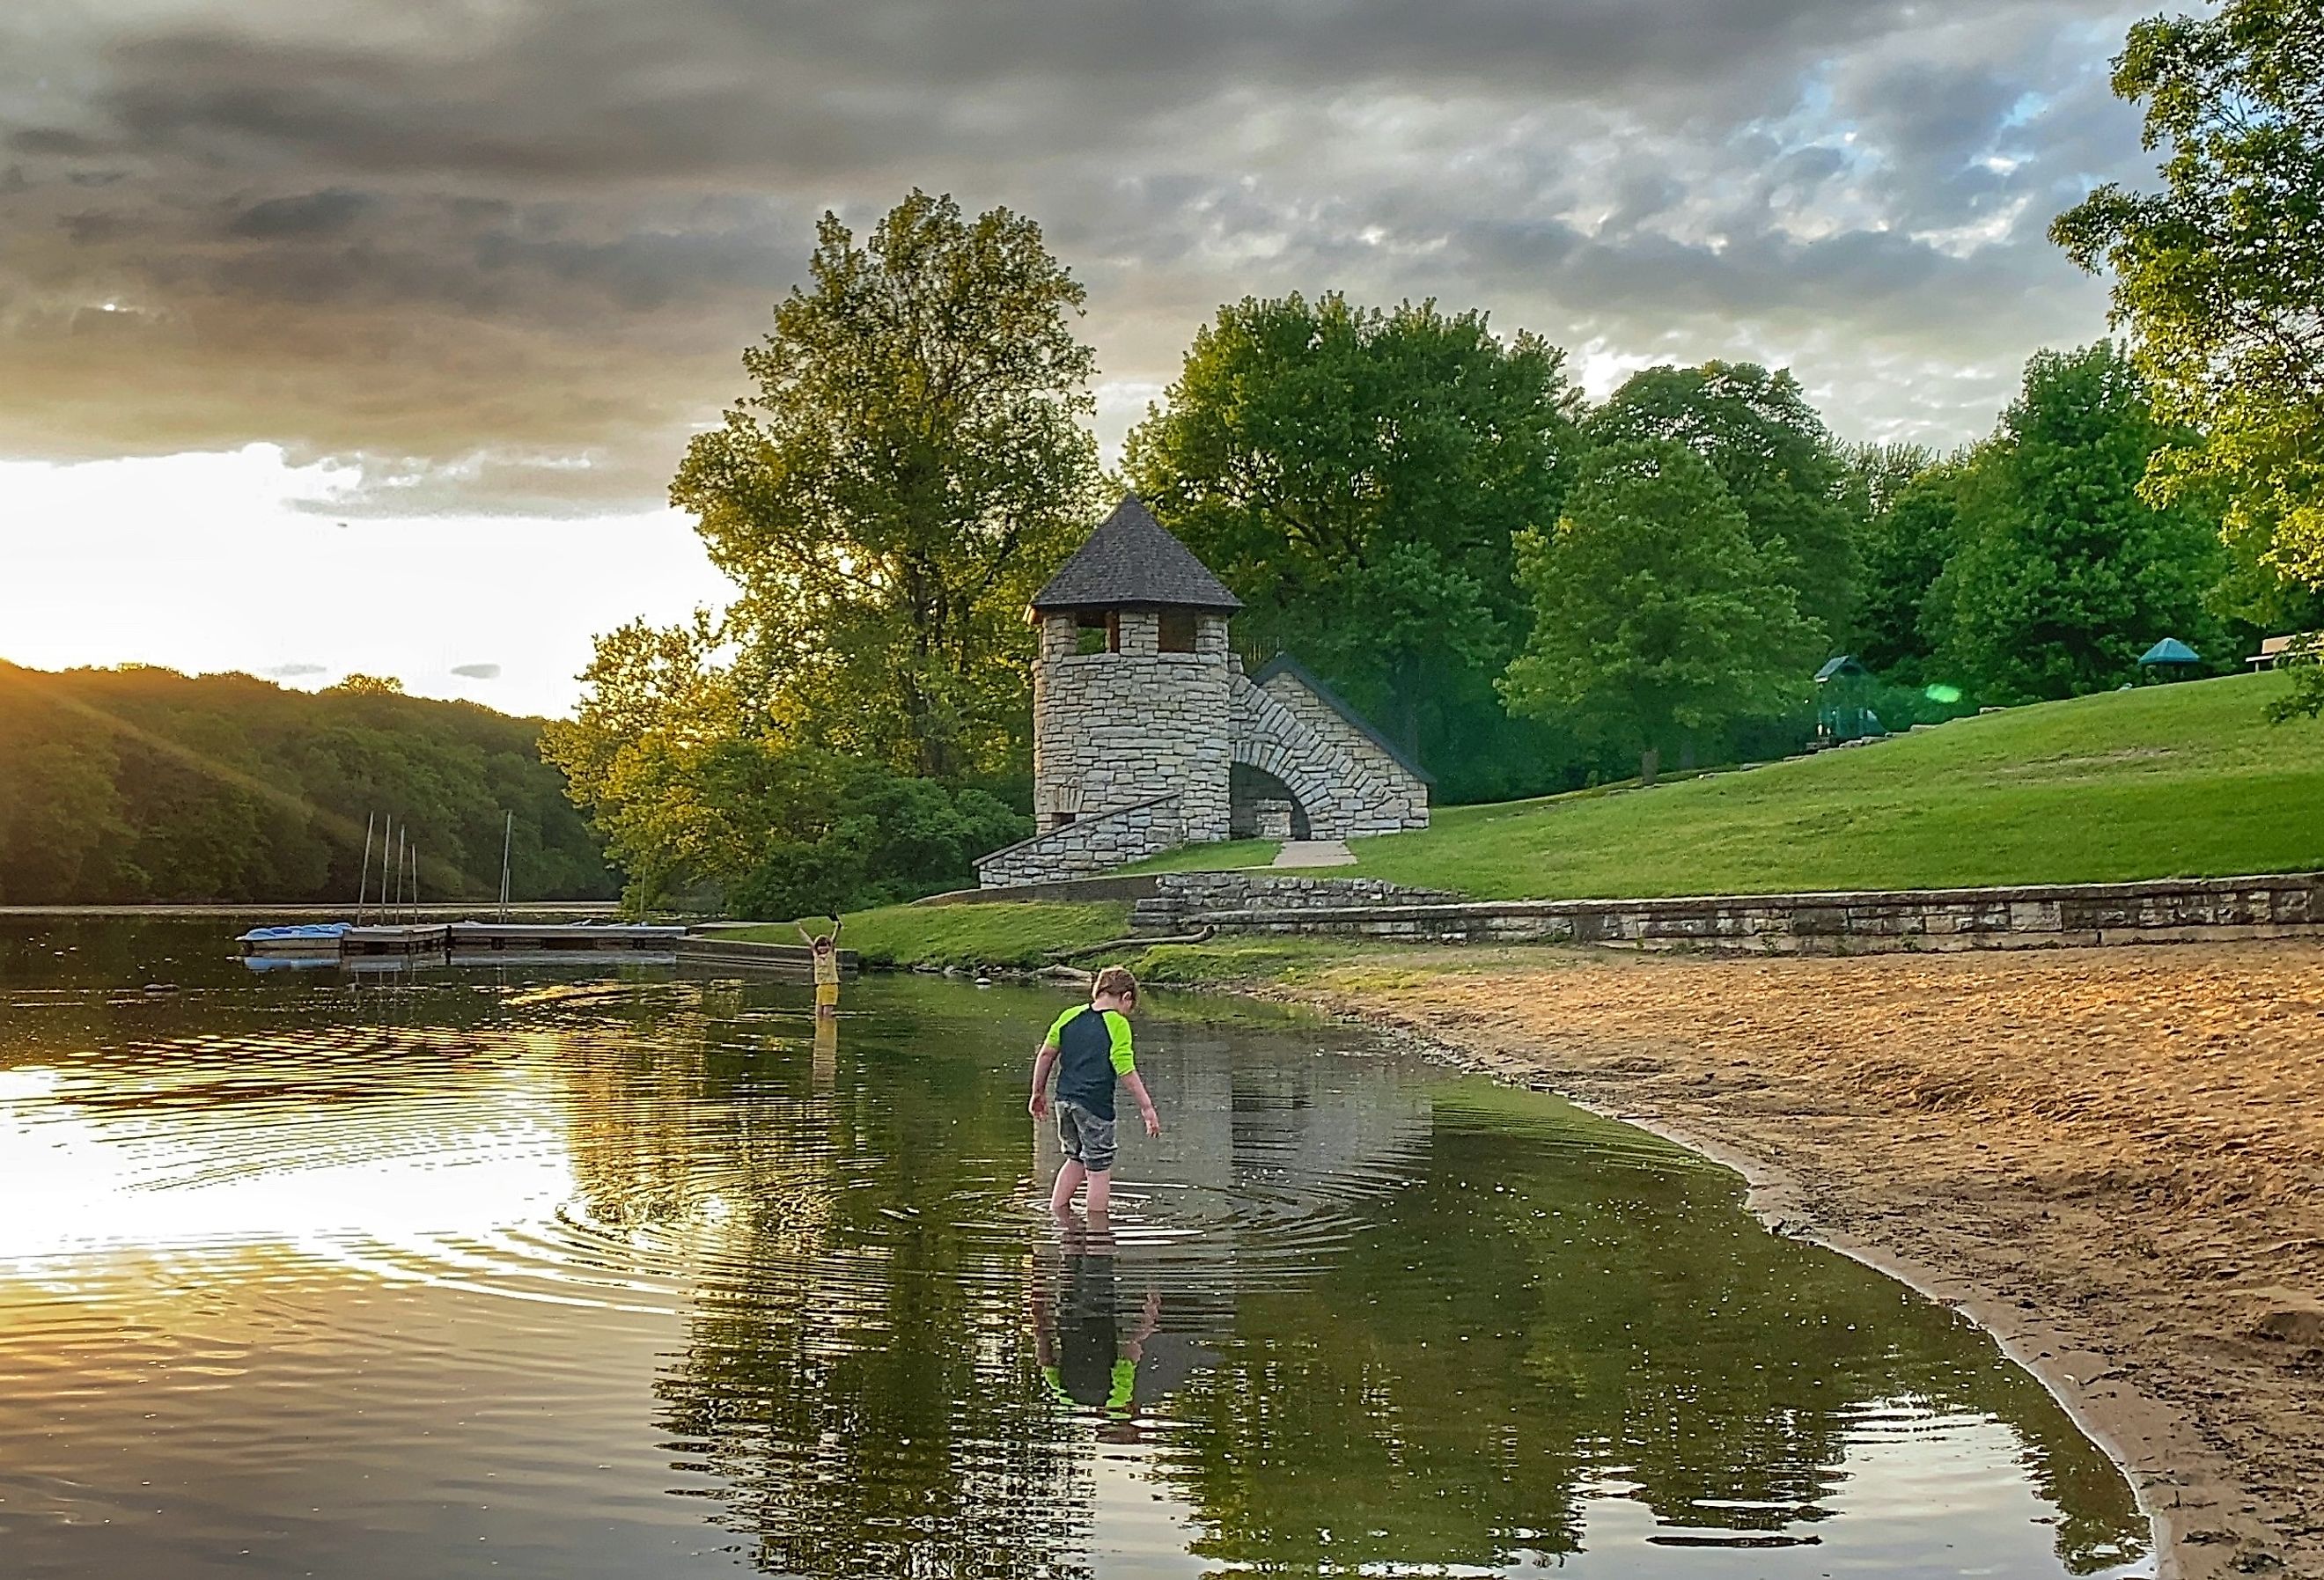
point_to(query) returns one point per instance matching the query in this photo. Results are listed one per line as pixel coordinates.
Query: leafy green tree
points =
(2065, 574)
(1776, 459)
(862, 834)
(1356, 475)
(703, 799)
(2304, 662)
(1876, 474)
(912, 461)
(59, 811)
(1657, 617)
(2220, 276)
(665, 753)
(1903, 545)
(362, 685)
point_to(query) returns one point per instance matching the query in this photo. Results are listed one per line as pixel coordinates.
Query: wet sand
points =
(2112, 1157)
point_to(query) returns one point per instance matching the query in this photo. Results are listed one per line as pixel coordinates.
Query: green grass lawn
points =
(1025, 935)
(2165, 782)
(1223, 857)
(962, 935)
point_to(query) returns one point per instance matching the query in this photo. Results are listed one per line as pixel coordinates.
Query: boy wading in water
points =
(1090, 1050)
(826, 967)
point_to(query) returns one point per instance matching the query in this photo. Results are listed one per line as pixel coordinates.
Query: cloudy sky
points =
(364, 334)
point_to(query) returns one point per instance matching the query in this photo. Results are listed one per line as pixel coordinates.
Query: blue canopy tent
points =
(2170, 658)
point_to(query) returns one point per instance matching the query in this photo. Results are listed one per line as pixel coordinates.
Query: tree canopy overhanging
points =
(2219, 275)
(912, 459)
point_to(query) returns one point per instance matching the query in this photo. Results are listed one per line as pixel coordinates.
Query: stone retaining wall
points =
(2028, 917)
(1180, 898)
(1089, 845)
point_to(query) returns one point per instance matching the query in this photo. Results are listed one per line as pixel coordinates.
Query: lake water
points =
(617, 1274)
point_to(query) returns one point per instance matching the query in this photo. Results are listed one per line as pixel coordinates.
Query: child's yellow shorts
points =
(826, 993)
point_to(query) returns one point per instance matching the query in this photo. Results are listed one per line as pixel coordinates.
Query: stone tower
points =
(1148, 735)
(1133, 692)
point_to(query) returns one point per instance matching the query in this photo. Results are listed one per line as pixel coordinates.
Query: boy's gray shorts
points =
(1086, 1139)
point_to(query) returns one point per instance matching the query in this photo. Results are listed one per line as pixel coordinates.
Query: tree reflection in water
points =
(1371, 1316)
(1509, 1307)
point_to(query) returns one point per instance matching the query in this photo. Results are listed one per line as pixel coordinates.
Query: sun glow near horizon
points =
(231, 561)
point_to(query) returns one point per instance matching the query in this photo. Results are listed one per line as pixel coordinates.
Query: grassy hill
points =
(2174, 780)
(2187, 780)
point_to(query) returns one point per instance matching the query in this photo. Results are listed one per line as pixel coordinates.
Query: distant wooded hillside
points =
(143, 784)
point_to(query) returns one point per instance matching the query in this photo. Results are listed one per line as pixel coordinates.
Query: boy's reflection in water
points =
(1098, 1353)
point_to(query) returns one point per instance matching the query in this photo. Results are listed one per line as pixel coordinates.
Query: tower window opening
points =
(1174, 631)
(1099, 632)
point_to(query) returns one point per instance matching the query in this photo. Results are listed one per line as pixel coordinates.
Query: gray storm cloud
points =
(502, 257)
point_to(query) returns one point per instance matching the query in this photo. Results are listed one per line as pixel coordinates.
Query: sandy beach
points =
(2112, 1157)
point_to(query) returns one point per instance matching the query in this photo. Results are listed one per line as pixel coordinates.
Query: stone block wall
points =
(2043, 916)
(1087, 845)
(1386, 796)
(1110, 729)
(1343, 795)
(1183, 899)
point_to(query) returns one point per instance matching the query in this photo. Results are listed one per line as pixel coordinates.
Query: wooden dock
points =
(402, 938)
(461, 941)
(495, 938)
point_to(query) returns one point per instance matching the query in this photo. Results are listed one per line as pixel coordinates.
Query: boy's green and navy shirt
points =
(1092, 1051)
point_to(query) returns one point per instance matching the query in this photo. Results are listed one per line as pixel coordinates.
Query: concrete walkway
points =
(1315, 852)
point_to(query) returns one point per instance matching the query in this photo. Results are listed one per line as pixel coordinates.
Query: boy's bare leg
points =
(1069, 1179)
(1101, 1195)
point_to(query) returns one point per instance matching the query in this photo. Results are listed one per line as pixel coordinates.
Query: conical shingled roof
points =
(1133, 561)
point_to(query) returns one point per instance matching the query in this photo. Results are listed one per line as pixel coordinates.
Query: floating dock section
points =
(456, 942)
(493, 938)
(417, 939)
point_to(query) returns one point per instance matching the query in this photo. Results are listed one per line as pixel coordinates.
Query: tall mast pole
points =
(508, 838)
(363, 885)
